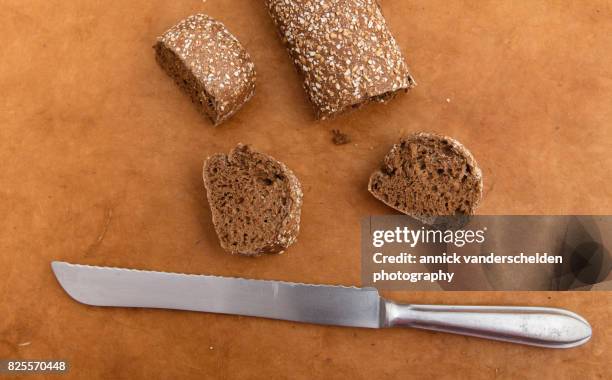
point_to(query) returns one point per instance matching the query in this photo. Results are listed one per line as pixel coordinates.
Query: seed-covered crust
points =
(209, 63)
(255, 201)
(429, 177)
(344, 51)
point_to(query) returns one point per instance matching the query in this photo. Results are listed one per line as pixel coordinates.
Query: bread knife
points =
(319, 304)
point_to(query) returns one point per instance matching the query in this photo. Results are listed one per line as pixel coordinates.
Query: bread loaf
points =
(343, 50)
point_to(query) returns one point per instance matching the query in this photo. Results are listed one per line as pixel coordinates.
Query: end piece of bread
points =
(344, 51)
(428, 177)
(209, 64)
(255, 201)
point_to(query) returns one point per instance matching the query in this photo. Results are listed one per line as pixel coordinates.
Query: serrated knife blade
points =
(104, 286)
(320, 304)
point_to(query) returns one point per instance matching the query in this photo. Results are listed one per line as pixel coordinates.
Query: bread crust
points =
(344, 52)
(289, 226)
(394, 153)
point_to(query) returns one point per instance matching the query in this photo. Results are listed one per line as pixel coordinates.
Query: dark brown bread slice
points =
(428, 176)
(255, 201)
(209, 64)
(343, 50)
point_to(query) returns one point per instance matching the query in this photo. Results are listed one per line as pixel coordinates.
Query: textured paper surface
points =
(101, 164)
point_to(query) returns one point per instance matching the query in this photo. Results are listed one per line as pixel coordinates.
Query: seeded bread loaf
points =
(209, 64)
(343, 50)
(255, 201)
(428, 177)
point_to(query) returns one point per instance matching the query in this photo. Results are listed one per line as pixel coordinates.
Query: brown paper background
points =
(101, 157)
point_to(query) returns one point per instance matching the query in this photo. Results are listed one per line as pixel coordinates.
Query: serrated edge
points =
(112, 268)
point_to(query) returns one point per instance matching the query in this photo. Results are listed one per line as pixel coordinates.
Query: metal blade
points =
(321, 304)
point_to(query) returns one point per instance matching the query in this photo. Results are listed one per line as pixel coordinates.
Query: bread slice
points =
(209, 64)
(255, 201)
(428, 176)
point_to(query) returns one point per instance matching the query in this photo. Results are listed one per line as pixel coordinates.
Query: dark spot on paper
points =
(340, 138)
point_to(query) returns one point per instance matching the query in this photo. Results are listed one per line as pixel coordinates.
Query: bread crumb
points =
(340, 138)
(211, 348)
(24, 344)
(447, 100)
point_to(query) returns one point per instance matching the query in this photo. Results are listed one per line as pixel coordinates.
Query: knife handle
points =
(535, 326)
